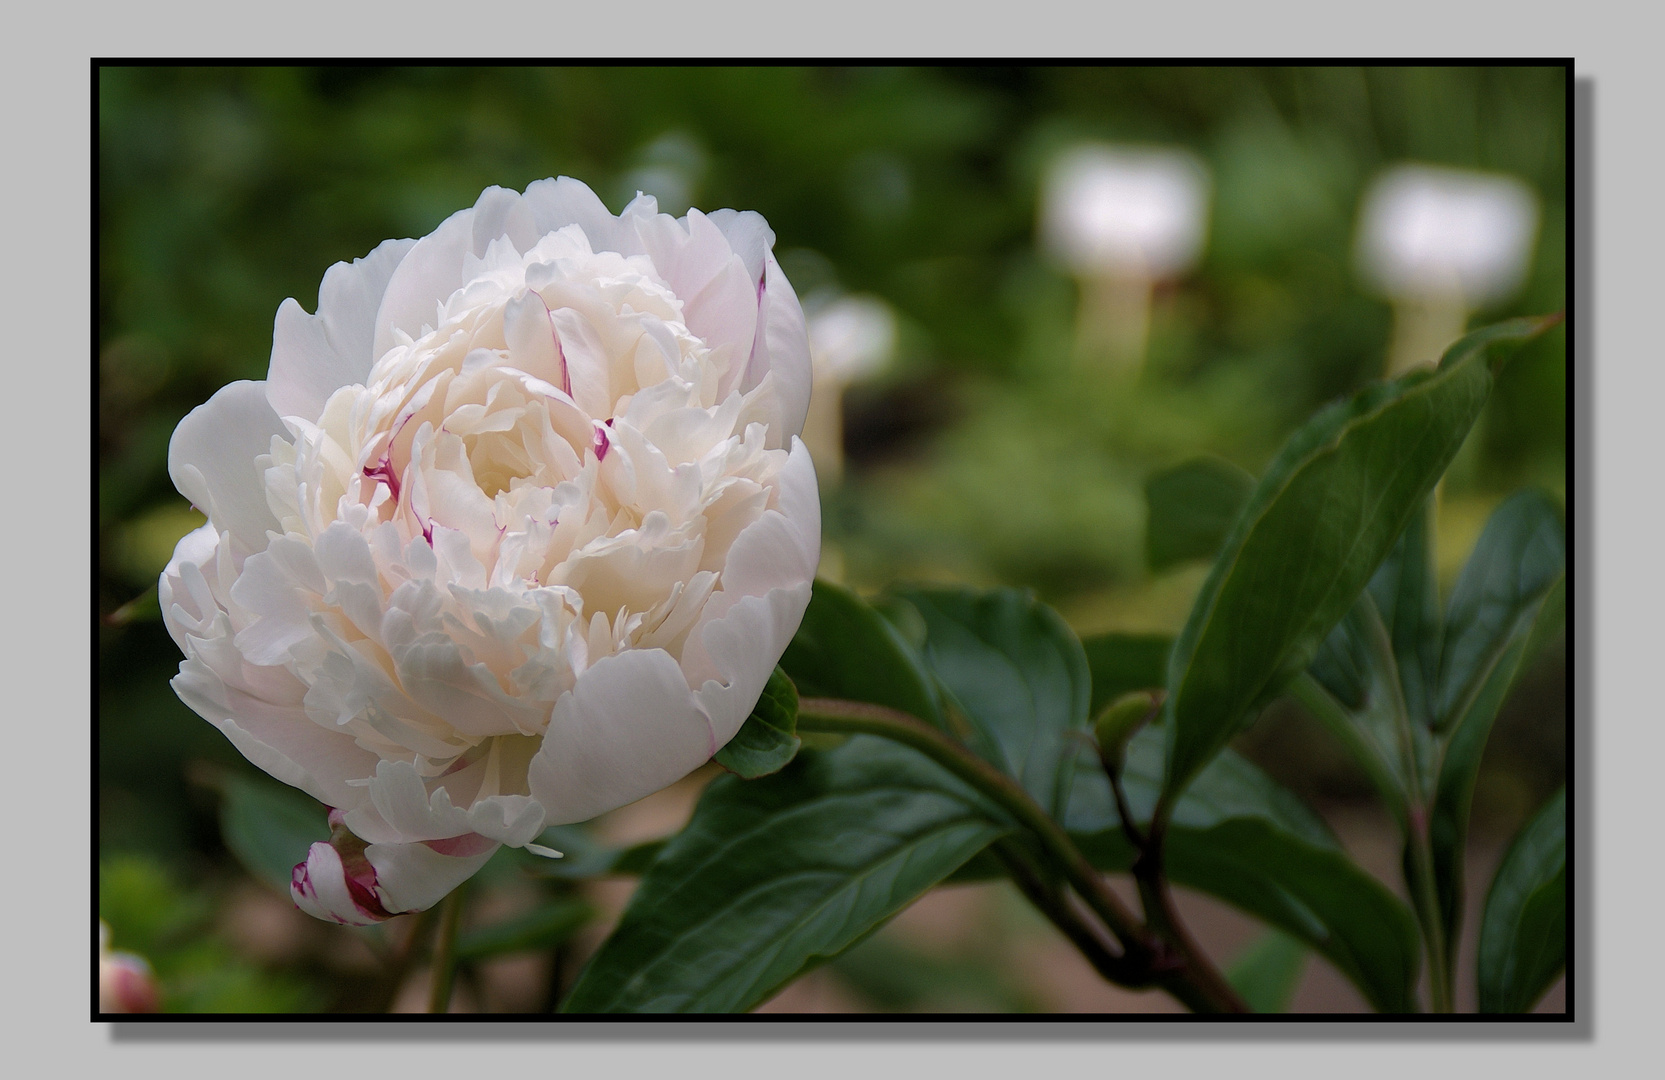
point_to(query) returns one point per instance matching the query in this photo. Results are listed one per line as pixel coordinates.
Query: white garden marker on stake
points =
(850, 339)
(1441, 243)
(1122, 219)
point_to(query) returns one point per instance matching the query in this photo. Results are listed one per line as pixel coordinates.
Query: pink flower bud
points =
(337, 882)
(125, 982)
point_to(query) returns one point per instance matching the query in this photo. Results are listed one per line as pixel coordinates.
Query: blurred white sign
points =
(1125, 211)
(1427, 232)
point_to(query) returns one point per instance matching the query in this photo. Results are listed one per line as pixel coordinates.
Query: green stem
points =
(1419, 866)
(1421, 873)
(856, 717)
(445, 951)
(1191, 978)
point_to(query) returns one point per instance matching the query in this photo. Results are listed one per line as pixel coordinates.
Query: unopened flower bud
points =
(125, 982)
(1120, 719)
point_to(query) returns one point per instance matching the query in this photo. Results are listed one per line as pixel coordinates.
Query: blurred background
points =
(1028, 290)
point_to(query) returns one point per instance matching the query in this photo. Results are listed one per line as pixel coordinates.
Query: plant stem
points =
(1419, 863)
(445, 951)
(857, 717)
(1420, 867)
(1146, 958)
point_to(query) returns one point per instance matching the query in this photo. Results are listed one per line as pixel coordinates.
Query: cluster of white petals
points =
(512, 534)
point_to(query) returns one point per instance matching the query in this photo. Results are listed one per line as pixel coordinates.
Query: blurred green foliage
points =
(984, 454)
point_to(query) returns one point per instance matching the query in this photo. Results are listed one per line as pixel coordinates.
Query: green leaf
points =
(768, 739)
(775, 875)
(1405, 591)
(1328, 510)
(1017, 672)
(1520, 557)
(1190, 509)
(1239, 836)
(1523, 933)
(1509, 597)
(845, 649)
(583, 856)
(270, 826)
(1121, 663)
(1268, 970)
(544, 927)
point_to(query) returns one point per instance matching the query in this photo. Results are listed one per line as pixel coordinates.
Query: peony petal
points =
(427, 276)
(781, 349)
(211, 460)
(314, 355)
(629, 727)
(415, 877)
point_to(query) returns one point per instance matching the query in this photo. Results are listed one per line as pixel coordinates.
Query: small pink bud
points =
(125, 981)
(336, 883)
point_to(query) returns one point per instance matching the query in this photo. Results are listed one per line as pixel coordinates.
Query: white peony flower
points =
(512, 534)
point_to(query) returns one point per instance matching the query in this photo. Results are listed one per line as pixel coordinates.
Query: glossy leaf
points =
(1120, 663)
(768, 739)
(1523, 933)
(544, 927)
(846, 649)
(1320, 521)
(270, 826)
(773, 876)
(1190, 509)
(1520, 557)
(583, 856)
(1268, 971)
(1406, 594)
(1507, 598)
(1017, 672)
(1239, 836)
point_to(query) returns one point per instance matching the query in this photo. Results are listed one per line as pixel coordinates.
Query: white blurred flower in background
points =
(1121, 219)
(1442, 243)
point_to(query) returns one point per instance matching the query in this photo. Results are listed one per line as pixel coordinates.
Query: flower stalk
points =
(1151, 954)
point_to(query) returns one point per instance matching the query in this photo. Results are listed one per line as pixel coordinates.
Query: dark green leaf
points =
(544, 927)
(768, 739)
(583, 856)
(269, 827)
(845, 649)
(1239, 836)
(1190, 509)
(1017, 673)
(1520, 557)
(1523, 933)
(1124, 662)
(1406, 594)
(773, 876)
(1266, 973)
(1328, 510)
(1508, 597)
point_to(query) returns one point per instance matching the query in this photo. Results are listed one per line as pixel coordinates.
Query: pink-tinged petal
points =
(781, 348)
(557, 203)
(534, 347)
(415, 877)
(743, 648)
(748, 235)
(427, 276)
(278, 737)
(211, 460)
(325, 888)
(315, 355)
(501, 212)
(629, 727)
